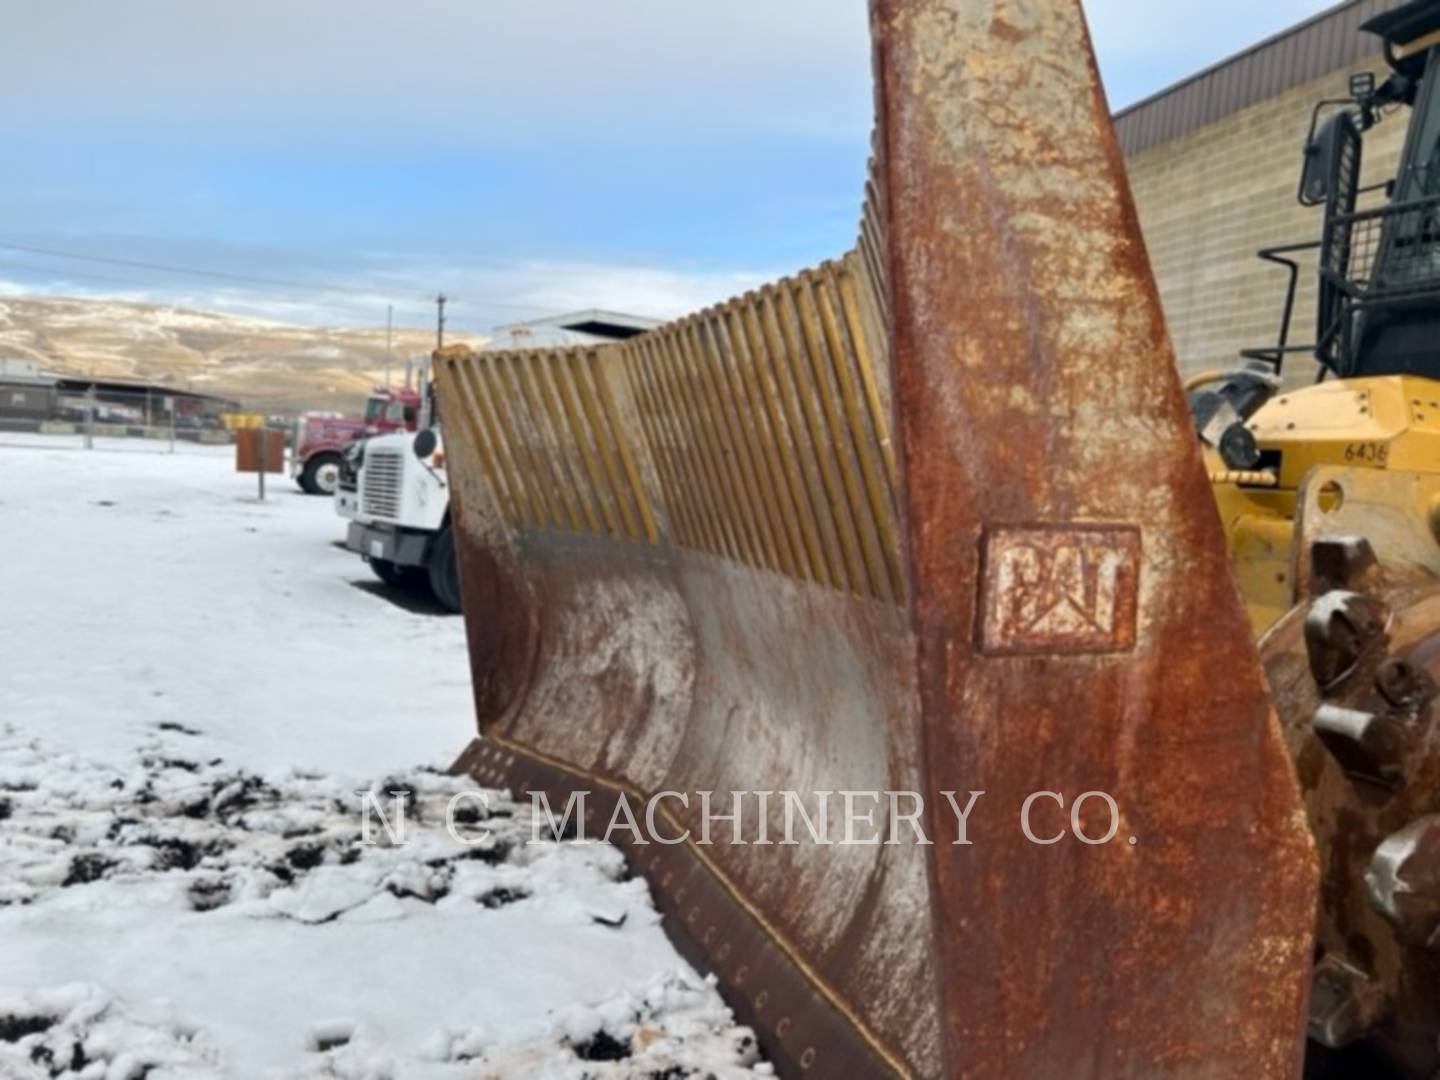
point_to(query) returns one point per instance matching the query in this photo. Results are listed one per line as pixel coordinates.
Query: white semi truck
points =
(399, 511)
(393, 490)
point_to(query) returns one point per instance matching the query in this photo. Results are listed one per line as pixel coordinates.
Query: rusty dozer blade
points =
(926, 519)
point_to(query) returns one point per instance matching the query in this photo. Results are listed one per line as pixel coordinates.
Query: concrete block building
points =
(1214, 163)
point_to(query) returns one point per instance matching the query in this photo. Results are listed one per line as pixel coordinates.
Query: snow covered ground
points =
(194, 688)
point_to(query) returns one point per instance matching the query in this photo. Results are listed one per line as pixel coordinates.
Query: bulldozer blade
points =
(924, 522)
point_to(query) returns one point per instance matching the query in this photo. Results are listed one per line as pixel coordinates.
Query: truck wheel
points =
(321, 474)
(444, 572)
(395, 575)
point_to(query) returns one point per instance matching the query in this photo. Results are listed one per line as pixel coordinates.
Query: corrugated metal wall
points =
(1323, 44)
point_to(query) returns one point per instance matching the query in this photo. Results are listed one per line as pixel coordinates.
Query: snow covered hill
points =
(263, 363)
(197, 687)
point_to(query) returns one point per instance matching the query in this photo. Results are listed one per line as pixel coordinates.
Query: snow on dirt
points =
(197, 688)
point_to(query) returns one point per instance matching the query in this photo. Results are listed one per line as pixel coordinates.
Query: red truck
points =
(320, 438)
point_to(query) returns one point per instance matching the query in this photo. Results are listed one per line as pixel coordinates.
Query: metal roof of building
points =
(117, 385)
(593, 322)
(1315, 47)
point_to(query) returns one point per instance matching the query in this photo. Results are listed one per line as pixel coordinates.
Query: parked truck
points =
(392, 488)
(399, 511)
(321, 438)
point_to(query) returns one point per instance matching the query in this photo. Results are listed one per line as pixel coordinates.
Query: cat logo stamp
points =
(1058, 589)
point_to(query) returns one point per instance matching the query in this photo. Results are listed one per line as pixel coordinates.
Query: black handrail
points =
(1354, 294)
(1276, 357)
(1388, 210)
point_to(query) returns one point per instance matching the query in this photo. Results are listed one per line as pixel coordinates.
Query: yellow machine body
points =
(1386, 424)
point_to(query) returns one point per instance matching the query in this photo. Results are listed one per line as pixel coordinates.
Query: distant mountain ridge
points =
(266, 365)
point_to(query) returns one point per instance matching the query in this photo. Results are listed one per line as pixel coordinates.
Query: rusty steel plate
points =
(927, 519)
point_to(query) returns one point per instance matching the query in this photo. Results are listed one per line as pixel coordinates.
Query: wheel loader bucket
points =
(923, 522)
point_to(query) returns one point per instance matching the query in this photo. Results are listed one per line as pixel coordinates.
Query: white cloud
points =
(447, 73)
(482, 297)
(654, 291)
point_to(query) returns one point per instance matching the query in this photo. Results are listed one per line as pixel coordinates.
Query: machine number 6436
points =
(1368, 453)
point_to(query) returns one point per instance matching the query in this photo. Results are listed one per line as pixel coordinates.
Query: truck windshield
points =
(378, 409)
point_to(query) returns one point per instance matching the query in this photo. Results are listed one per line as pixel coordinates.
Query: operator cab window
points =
(1422, 178)
(1395, 258)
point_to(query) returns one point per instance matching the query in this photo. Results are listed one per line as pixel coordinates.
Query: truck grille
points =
(380, 483)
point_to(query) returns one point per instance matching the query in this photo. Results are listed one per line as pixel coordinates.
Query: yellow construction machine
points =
(1330, 495)
(926, 533)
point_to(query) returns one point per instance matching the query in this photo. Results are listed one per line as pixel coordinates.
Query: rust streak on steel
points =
(1050, 476)
(929, 520)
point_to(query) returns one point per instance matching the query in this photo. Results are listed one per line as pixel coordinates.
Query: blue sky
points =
(526, 156)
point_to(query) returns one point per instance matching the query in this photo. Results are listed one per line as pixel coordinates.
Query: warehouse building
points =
(32, 399)
(28, 395)
(1214, 163)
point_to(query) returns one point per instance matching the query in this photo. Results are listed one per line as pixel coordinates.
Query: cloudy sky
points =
(525, 156)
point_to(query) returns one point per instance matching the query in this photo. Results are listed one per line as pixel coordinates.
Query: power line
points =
(63, 275)
(412, 318)
(222, 275)
(408, 319)
(190, 270)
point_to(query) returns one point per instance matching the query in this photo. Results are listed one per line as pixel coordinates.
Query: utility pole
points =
(389, 325)
(440, 301)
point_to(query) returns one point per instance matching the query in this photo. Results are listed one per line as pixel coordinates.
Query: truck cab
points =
(399, 512)
(320, 439)
(392, 488)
